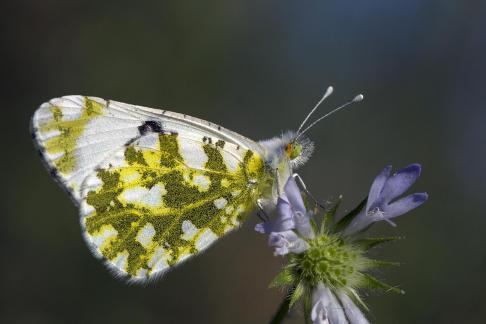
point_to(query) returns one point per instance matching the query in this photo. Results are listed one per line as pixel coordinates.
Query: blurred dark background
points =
(255, 67)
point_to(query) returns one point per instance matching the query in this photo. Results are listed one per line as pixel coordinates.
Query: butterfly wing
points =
(76, 133)
(153, 187)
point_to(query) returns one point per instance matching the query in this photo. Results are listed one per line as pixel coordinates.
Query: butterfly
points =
(156, 187)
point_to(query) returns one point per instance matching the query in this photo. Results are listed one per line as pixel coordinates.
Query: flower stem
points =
(282, 311)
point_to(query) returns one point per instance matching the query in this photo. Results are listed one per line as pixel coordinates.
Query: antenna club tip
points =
(329, 91)
(358, 98)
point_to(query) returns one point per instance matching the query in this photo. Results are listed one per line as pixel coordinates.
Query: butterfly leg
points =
(261, 212)
(307, 192)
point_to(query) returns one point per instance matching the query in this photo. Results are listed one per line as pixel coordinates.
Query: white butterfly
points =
(155, 187)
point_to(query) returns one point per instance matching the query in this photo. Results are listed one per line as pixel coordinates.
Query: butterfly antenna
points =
(358, 98)
(327, 94)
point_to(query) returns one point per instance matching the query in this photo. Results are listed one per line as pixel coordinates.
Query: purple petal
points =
(336, 314)
(283, 208)
(285, 219)
(319, 313)
(358, 223)
(377, 185)
(405, 205)
(283, 222)
(398, 183)
(326, 308)
(353, 313)
(303, 225)
(287, 242)
(269, 226)
(261, 227)
(294, 195)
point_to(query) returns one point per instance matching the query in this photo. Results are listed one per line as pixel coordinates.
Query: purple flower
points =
(291, 213)
(326, 308)
(382, 201)
(287, 242)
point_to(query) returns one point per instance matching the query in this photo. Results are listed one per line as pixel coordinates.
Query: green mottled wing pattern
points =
(166, 197)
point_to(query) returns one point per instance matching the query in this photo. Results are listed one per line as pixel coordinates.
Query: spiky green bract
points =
(371, 242)
(341, 224)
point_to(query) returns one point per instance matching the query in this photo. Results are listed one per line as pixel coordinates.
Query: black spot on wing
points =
(33, 131)
(207, 140)
(54, 173)
(220, 143)
(150, 126)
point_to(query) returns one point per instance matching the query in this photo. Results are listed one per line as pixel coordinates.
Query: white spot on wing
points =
(48, 135)
(93, 182)
(193, 153)
(142, 273)
(121, 260)
(202, 181)
(54, 156)
(130, 177)
(154, 195)
(230, 161)
(158, 261)
(134, 194)
(140, 195)
(220, 203)
(205, 239)
(189, 230)
(145, 235)
(105, 234)
(86, 209)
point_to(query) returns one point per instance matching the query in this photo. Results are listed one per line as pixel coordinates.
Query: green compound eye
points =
(293, 150)
(297, 150)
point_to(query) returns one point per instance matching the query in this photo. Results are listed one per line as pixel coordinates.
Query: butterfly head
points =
(288, 149)
(298, 150)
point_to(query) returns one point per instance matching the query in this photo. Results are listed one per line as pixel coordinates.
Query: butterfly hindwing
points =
(164, 198)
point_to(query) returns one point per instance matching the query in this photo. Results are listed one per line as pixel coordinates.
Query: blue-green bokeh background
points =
(255, 67)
